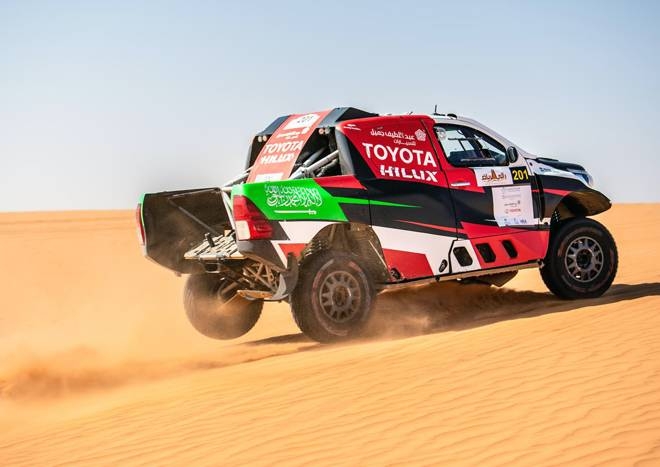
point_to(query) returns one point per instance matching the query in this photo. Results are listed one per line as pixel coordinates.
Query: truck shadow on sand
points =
(398, 314)
(546, 303)
(453, 307)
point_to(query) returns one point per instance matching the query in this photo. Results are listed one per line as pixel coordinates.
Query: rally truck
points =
(336, 206)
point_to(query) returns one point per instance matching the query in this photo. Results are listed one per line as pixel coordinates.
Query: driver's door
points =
(496, 202)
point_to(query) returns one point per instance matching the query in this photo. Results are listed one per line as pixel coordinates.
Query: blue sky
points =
(100, 101)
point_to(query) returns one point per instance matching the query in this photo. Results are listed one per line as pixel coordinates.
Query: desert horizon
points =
(98, 365)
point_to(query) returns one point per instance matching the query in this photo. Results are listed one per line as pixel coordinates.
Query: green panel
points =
(300, 199)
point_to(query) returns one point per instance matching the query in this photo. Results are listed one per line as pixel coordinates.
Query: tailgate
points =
(176, 221)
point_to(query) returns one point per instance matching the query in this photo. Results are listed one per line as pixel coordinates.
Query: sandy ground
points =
(98, 365)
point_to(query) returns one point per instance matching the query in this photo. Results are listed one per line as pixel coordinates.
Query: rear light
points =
(251, 224)
(140, 226)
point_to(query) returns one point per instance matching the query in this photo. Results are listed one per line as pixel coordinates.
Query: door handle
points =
(460, 184)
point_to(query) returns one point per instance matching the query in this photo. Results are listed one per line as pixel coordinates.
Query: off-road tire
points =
(214, 309)
(581, 261)
(334, 296)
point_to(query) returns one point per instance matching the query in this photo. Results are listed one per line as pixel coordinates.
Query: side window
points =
(465, 147)
(491, 148)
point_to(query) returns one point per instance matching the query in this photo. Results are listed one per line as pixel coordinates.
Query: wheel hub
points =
(340, 296)
(584, 259)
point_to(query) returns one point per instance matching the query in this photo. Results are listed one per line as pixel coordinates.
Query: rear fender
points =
(359, 239)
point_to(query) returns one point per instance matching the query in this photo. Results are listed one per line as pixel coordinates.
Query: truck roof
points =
(457, 119)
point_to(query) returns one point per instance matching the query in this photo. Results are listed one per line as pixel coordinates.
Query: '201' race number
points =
(520, 175)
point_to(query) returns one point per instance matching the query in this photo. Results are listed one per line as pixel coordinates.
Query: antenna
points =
(435, 110)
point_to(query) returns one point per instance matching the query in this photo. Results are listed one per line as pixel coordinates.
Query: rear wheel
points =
(582, 260)
(214, 309)
(333, 298)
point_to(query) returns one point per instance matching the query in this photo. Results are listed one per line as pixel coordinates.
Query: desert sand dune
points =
(98, 365)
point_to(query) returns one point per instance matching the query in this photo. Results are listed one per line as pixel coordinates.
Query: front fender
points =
(582, 202)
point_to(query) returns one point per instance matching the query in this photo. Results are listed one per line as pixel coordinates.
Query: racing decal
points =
(442, 228)
(400, 150)
(291, 200)
(556, 192)
(434, 247)
(546, 170)
(512, 205)
(340, 181)
(287, 196)
(276, 159)
(528, 246)
(303, 199)
(493, 176)
(483, 230)
(298, 234)
(409, 265)
(300, 199)
(520, 175)
(456, 266)
(295, 248)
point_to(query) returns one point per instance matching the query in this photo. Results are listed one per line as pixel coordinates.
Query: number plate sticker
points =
(520, 175)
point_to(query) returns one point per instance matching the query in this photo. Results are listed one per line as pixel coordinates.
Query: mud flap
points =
(288, 279)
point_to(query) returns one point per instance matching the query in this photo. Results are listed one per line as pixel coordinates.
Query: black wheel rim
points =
(340, 296)
(584, 259)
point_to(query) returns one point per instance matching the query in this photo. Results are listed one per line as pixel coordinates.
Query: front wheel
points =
(214, 309)
(582, 260)
(333, 298)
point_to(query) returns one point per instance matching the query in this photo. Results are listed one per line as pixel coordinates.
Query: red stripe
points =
(432, 226)
(481, 230)
(556, 192)
(531, 245)
(410, 265)
(294, 248)
(340, 181)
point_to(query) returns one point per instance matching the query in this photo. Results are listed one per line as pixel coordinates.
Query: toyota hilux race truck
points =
(336, 206)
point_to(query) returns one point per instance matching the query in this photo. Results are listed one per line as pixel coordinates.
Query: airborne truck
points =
(336, 206)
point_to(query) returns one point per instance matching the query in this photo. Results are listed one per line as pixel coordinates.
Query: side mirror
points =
(511, 154)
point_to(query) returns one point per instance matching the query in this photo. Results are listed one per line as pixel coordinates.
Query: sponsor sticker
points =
(547, 170)
(493, 176)
(268, 177)
(400, 151)
(278, 155)
(420, 135)
(303, 122)
(288, 135)
(403, 162)
(512, 205)
(400, 138)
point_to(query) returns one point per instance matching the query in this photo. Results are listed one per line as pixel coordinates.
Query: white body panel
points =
(435, 247)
